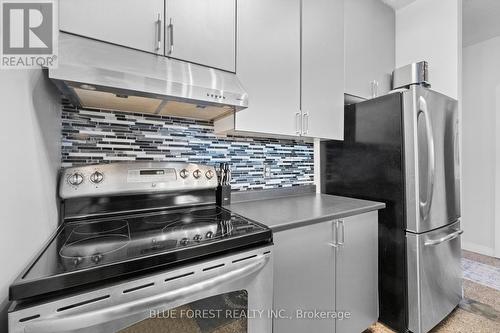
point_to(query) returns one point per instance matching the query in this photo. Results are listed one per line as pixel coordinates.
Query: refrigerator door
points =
(434, 276)
(432, 164)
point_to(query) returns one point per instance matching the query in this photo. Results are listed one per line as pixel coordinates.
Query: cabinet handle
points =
(158, 33)
(297, 123)
(170, 37)
(334, 243)
(342, 234)
(374, 88)
(305, 123)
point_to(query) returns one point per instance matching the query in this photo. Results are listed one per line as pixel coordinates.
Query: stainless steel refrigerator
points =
(403, 149)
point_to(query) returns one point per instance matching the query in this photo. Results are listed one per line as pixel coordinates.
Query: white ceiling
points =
(481, 20)
(397, 4)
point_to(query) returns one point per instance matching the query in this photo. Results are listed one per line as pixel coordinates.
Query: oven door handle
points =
(88, 319)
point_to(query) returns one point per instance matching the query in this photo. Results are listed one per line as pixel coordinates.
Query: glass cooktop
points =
(88, 251)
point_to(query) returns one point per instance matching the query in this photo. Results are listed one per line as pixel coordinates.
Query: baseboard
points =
(487, 251)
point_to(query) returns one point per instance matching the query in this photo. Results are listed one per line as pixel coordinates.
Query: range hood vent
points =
(99, 75)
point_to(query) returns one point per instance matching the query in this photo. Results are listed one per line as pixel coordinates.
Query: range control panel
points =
(134, 177)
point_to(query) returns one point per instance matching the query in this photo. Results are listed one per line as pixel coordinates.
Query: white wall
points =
(497, 176)
(30, 143)
(431, 30)
(481, 146)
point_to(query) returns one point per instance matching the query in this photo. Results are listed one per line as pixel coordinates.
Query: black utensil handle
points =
(223, 195)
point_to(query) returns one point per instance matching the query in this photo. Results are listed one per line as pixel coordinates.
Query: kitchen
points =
(250, 166)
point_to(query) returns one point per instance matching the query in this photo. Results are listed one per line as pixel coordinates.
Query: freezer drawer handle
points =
(444, 239)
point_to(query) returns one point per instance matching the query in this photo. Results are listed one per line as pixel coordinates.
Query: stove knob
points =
(209, 234)
(75, 179)
(184, 241)
(77, 261)
(154, 244)
(184, 173)
(197, 238)
(209, 174)
(96, 258)
(197, 174)
(96, 177)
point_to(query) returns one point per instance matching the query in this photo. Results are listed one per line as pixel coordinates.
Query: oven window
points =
(225, 313)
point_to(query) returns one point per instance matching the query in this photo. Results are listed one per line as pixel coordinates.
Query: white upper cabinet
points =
(268, 66)
(369, 47)
(132, 23)
(288, 54)
(323, 69)
(290, 59)
(202, 32)
(198, 31)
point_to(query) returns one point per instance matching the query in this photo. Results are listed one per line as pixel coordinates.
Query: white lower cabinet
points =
(304, 277)
(357, 273)
(324, 268)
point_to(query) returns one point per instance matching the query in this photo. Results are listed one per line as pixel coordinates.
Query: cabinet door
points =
(357, 272)
(304, 277)
(132, 23)
(369, 47)
(268, 65)
(202, 31)
(323, 68)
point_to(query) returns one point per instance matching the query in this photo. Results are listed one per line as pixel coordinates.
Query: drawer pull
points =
(446, 238)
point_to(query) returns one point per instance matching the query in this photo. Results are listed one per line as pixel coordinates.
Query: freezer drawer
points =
(434, 276)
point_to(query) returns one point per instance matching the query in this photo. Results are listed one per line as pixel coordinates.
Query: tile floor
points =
(479, 312)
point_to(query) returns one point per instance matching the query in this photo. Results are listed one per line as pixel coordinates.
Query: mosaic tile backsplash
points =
(97, 136)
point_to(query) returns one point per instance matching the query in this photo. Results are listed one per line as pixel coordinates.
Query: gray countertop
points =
(288, 212)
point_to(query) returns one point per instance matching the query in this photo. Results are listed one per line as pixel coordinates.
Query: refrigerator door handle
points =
(425, 206)
(457, 146)
(446, 238)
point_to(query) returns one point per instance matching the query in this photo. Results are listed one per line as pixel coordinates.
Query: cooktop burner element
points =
(101, 227)
(162, 218)
(91, 243)
(214, 212)
(141, 217)
(93, 248)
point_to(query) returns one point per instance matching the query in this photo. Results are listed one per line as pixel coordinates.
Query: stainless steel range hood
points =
(99, 75)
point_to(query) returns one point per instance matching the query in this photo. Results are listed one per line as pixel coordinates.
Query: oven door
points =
(229, 294)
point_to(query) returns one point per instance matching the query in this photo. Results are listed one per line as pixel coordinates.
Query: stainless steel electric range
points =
(136, 240)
